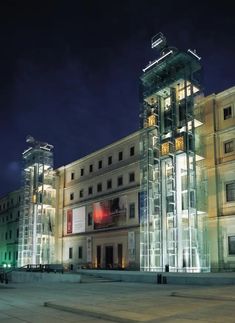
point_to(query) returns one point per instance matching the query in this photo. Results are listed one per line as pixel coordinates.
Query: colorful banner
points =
(109, 213)
(69, 221)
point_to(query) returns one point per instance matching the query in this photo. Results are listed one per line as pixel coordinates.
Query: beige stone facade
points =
(218, 143)
(98, 210)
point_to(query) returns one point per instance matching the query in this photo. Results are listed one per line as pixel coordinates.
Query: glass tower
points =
(172, 228)
(36, 222)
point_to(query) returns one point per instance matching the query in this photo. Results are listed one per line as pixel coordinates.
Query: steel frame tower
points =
(36, 223)
(172, 222)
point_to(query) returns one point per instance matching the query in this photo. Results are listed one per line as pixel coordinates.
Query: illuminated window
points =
(227, 113)
(167, 103)
(179, 143)
(230, 192)
(231, 245)
(152, 120)
(228, 147)
(120, 155)
(165, 148)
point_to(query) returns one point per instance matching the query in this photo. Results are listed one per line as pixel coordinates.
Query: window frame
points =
(229, 116)
(228, 193)
(231, 141)
(132, 151)
(231, 253)
(120, 178)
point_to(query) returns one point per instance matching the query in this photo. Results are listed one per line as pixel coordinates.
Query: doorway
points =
(98, 256)
(109, 257)
(119, 256)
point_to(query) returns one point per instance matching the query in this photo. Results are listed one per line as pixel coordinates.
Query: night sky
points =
(69, 70)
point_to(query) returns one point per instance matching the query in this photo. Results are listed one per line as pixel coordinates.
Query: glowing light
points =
(165, 149)
(157, 61)
(152, 120)
(179, 143)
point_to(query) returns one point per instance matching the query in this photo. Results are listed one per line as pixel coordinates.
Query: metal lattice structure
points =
(36, 223)
(172, 224)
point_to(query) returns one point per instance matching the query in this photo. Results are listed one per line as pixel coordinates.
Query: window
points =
(109, 160)
(17, 233)
(6, 236)
(91, 168)
(90, 218)
(82, 171)
(90, 190)
(71, 196)
(231, 245)
(230, 192)
(72, 176)
(227, 113)
(10, 234)
(70, 253)
(228, 147)
(132, 210)
(80, 252)
(100, 164)
(18, 214)
(99, 187)
(131, 177)
(109, 184)
(120, 156)
(9, 255)
(132, 151)
(119, 181)
(81, 193)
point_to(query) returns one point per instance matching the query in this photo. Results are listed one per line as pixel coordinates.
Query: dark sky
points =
(69, 70)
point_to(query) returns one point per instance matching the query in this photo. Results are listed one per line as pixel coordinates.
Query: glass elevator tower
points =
(172, 228)
(36, 222)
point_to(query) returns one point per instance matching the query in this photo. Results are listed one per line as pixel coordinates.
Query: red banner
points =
(70, 221)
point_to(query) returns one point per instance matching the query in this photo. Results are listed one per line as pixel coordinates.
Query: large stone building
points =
(218, 141)
(162, 198)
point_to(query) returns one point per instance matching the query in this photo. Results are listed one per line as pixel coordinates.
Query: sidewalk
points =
(103, 301)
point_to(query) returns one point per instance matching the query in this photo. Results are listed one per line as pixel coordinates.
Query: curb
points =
(205, 297)
(91, 313)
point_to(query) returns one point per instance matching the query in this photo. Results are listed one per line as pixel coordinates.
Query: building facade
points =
(218, 139)
(9, 227)
(98, 209)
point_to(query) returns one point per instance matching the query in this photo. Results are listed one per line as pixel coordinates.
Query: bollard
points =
(159, 279)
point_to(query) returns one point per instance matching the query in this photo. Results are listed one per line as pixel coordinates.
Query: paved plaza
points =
(100, 300)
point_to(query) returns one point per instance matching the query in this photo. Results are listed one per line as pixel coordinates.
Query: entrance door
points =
(98, 256)
(119, 255)
(109, 257)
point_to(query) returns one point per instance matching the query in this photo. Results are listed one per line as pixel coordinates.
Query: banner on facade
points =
(76, 220)
(110, 213)
(69, 221)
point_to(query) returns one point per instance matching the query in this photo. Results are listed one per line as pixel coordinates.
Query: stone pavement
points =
(99, 300)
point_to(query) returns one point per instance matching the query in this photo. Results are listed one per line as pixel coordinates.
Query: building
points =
(160, 199)
(218, 140)
(97, 210)
(9, 227)
(172, 230)
(37, 214)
